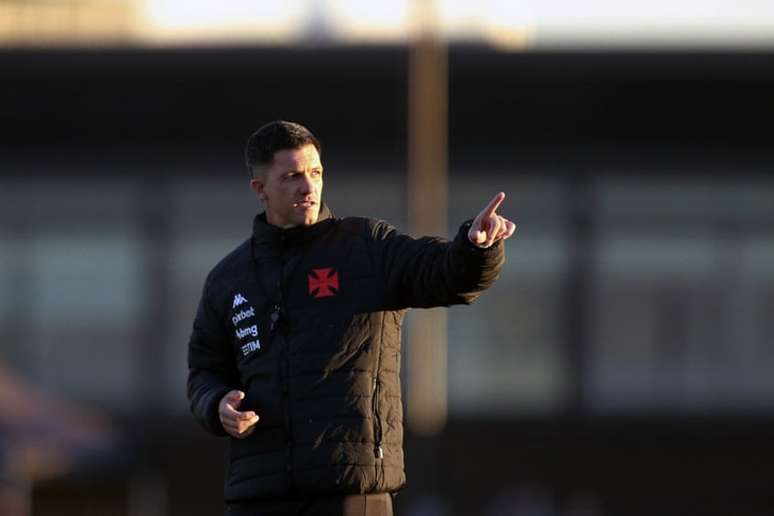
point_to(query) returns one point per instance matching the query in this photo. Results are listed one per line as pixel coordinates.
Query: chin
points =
(311, 219)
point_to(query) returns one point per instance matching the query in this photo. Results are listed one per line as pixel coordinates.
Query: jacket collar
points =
(267, 236)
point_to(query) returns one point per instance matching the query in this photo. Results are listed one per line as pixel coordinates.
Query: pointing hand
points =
(489, 227)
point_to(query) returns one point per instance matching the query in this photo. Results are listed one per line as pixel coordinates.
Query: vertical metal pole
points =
(152, 348)
(582, 235)
(428, 202)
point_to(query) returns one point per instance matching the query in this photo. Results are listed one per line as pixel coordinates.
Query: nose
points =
(306, 185)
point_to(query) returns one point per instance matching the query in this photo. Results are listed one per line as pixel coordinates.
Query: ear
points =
(257, 186)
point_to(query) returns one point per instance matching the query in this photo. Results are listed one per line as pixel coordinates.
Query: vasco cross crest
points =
(323, 282)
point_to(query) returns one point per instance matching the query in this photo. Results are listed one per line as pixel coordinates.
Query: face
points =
(291, 187)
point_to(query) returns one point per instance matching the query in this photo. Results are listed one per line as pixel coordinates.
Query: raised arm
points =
(428, 271)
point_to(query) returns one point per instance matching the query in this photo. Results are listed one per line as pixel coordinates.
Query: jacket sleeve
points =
(429, 271)
(211, 366)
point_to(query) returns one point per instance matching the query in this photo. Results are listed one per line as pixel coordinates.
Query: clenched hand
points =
(236, 423)
(489, 227)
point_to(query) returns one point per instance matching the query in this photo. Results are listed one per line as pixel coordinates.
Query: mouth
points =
(308, 204)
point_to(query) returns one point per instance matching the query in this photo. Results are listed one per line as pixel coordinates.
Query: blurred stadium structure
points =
(516, 24)
(622, 365)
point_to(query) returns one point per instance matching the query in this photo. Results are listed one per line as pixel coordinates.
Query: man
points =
(295, 350)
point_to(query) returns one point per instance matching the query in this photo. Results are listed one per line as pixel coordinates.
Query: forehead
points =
(297, 159)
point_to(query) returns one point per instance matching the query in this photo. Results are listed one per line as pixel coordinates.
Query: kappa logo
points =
(239, 299)
(323, 283)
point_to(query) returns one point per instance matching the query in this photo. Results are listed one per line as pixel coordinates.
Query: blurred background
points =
(623, 363)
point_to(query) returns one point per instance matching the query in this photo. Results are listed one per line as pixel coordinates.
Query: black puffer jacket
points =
(323, 377)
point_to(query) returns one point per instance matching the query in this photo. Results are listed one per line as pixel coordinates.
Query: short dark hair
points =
(276, 136)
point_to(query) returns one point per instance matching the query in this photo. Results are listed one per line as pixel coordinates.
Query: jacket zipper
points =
(285, 377)
(378, 450)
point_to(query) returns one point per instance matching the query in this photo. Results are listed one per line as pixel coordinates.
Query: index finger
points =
(238, 414)
(494, 204)
(245, 416)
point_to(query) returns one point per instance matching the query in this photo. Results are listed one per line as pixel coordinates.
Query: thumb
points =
(234, 398)
(477, 232)
(477, 236)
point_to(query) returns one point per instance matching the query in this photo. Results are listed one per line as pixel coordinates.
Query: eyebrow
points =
(296, 171)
